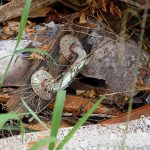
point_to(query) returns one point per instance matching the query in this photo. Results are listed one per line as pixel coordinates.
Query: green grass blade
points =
(5, 57)
(23, 21)
(42, 142)
(22, 130)
(11, 116)
(6, 117)
(34, 115)
(56, 118)
(16, 128)
(9, 128)
(79, 124)
(34, 50)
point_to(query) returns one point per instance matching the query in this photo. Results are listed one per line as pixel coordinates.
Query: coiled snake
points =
(44, 84)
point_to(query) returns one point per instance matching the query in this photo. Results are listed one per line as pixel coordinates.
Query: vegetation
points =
(61, 95)
(59, 103)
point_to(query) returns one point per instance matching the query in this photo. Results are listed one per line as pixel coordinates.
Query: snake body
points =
(44, 84)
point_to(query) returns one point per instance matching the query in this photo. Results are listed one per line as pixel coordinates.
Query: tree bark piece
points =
(135, 114)
(14, 8)
(116, 64)
(79, 104)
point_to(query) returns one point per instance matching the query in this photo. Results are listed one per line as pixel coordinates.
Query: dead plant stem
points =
(143, 23)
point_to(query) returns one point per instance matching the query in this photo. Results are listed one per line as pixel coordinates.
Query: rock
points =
(108, 63)
(19, 65)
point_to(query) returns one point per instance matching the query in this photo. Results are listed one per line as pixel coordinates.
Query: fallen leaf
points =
(80, 92)
(115, 10)
(10, 28)
(4, 98)
(8, 31)
(82, 18)
(78, 104)
(103, 4)
(90, 93)
(37, 56)
(52, 16)
(41, 12)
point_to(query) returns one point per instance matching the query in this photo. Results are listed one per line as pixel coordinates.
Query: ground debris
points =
(109, 71)
(135, 114)
(113, 65)
(80, 105)
(4, 98)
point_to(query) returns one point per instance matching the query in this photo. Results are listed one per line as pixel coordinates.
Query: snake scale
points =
(44, 84)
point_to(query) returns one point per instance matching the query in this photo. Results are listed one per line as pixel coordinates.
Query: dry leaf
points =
(145, 48)
(11, 28)
(88, 93)
(115, 10)
(4, 37)
(89, 2)
(4, 98)
(103, 4)
(147, 42)
(83, 18)
(41, 12)
(80, 92)
(100, 17)
(78, 104)
(37, 56)
(52, 16)
(8, 31)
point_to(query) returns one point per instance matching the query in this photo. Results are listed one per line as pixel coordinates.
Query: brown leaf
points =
(4, 37)
(135, 114)
(88, 93)
(115, 10)
(88, 2)
(83, 18)
(8, 31)
(4, 98)
(52, 16)
(37, 56)
(11, 28)
(103, 4)
(41, 12)
(75, 104)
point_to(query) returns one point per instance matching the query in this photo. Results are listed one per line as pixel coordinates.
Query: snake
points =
(43, 83)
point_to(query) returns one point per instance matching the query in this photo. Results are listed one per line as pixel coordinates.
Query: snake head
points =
(66, 43)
